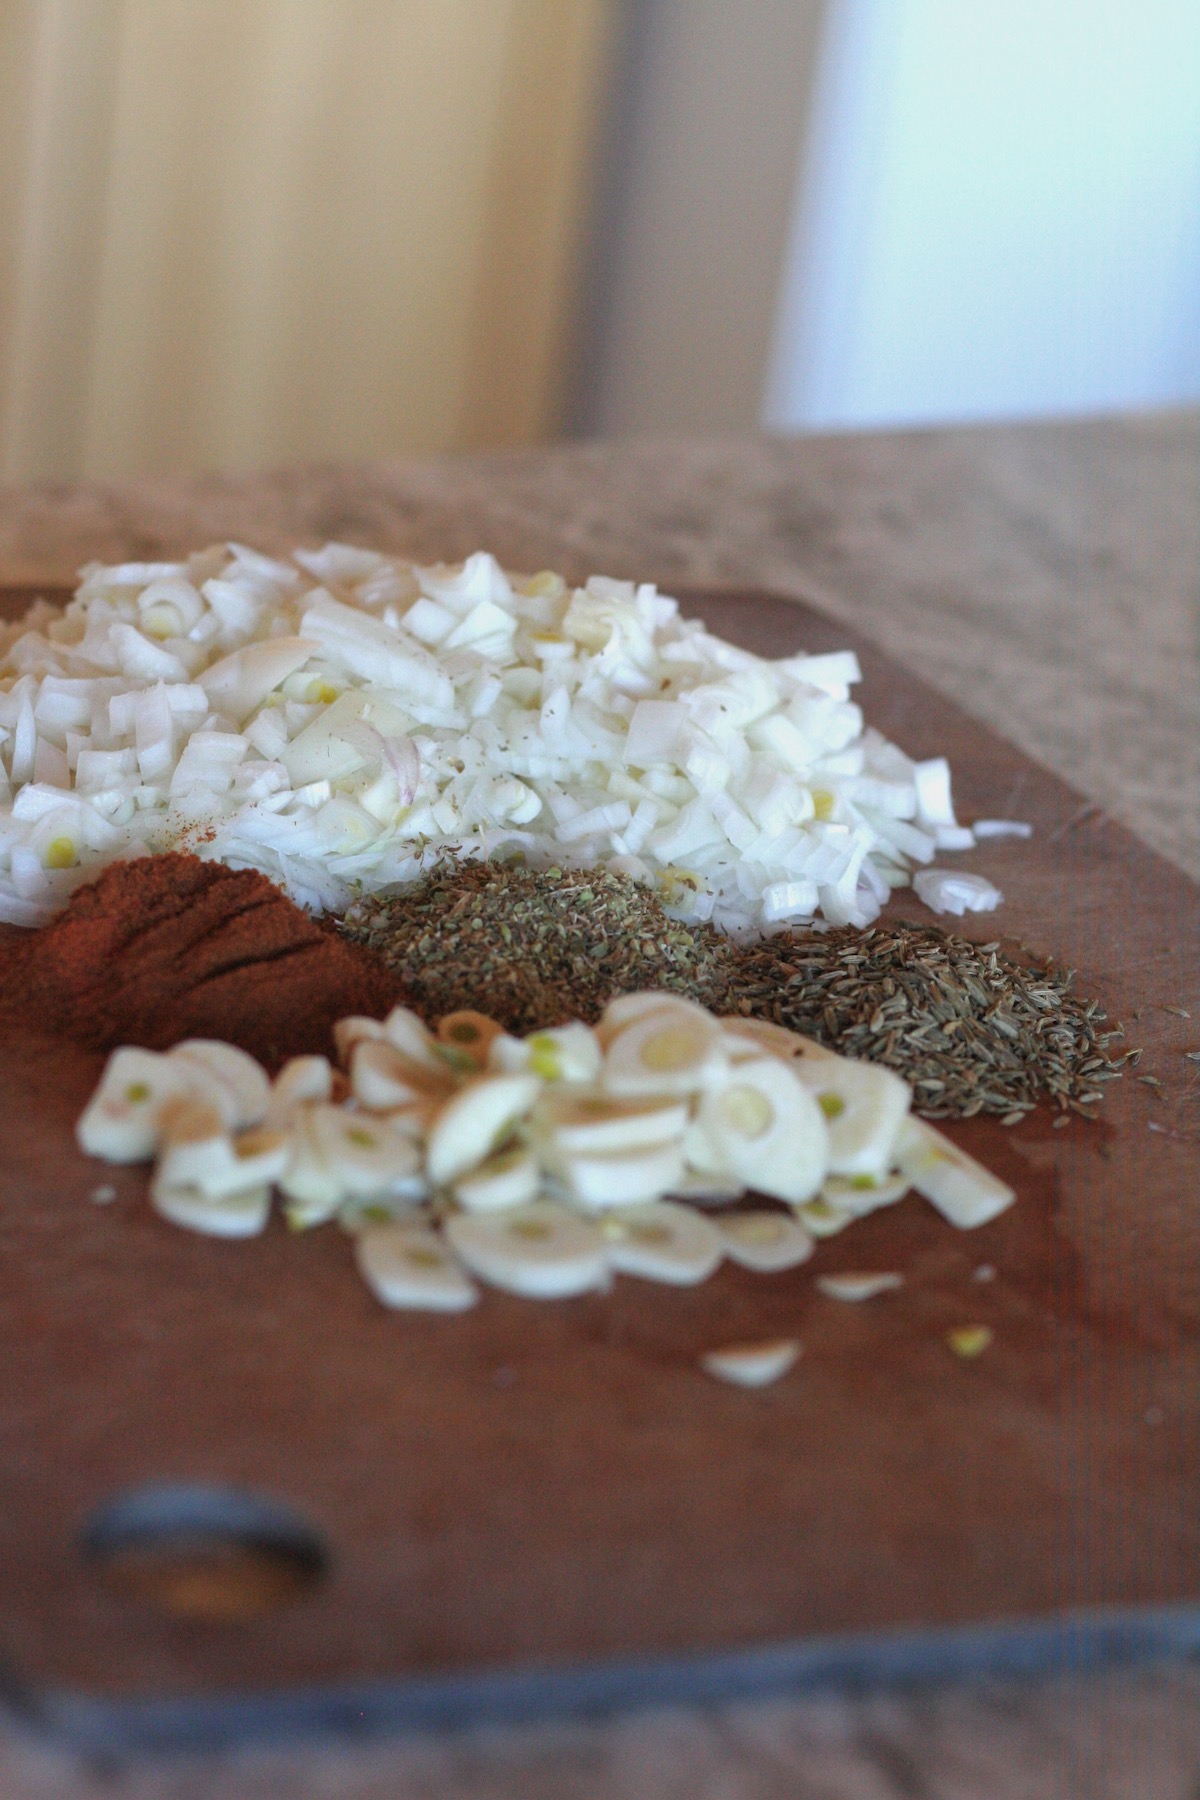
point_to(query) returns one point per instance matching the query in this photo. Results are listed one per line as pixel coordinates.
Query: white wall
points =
(998, 213)
(702, 150)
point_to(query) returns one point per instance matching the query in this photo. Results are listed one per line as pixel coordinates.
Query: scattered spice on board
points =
(970, 1027)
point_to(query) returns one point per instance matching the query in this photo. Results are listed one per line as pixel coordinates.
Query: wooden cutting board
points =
(538, 1505)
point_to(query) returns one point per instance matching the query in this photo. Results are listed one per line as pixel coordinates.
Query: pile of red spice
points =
(170, 947)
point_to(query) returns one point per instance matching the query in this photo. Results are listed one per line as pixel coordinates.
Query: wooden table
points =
(1048, 578)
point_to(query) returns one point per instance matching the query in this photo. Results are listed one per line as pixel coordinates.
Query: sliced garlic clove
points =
(766, 1242)
(663, 1242)
(864, 1108)
(670, 1049)
(823, 1220)
(855, 1286)
(408, 1033)
(410, 1266)
(584, 1123)
(237, 1215)
(863, 1194)
(541, 1251)
(470, 1032)
(121, 1123)
(753, 1037)
(366, 1153)
(962, 1189)
(301, 1078)
(622, 1178)
(752, 1365)
(356, 1029)
(383, 1078)
(509, 1178)
(568, 1053)
(627, 1008)
(699, 1189)
(765, 1127)
(471, 1125)
(313, 1190)
(240, 1078)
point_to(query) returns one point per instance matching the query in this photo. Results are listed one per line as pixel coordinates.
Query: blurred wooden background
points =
(244, 232)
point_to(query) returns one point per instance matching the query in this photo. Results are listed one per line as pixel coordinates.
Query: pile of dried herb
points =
(973, 1029)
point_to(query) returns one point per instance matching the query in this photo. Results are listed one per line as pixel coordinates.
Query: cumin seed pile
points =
(970, 1027)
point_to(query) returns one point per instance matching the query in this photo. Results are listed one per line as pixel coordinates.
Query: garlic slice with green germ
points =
(541, 1250)
(669, 1049)
(121, 1122)
(962, 1189)
(822, 1219)
(238, 1215)
(854, 1286)
(863, 1194)
(864, 1108)
(766, 1128)
(765, 1241)
(509, 1177)
(621, 1177)
(243, 1080)
(564, 1053)
(475, 1122)
(752, 1365)
(663, 1242)
(409, 1266)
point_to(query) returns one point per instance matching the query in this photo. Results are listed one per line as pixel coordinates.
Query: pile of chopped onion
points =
(539, 1165)
(341, 720)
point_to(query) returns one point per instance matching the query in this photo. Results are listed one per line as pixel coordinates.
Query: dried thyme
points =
(970, 1027)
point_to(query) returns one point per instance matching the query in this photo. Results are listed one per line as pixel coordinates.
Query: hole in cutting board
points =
(203, 1553)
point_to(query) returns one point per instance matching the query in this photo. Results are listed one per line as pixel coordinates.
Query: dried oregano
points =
(972, 1028)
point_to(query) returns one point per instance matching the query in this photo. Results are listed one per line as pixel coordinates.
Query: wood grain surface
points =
(559, 1484)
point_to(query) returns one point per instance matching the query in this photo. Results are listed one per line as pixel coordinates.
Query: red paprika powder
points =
(170, 947)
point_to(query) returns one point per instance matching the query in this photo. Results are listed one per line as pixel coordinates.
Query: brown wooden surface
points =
(552, 1483)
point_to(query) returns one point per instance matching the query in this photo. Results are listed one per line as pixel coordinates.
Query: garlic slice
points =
(471, 1032)
(620, 1178)
(470, 1126)
(663, 1242)
(864, 1107)
(751, 1037)
(198, 1152)
(564, 1053)
(863, 1194)
(765, 1241)
(312, 1189)
(594, 1122)
(407, 1032)
(765, 1127)
(121, 1123)
(855, 1286)
(410, 1266)
(823, 1220)
(703, 1189)
(237, 1215)
(243, 1080)
(382, 1077)
(301, 1078)
(366, 1153)
(962, 1189)
(541, 1251)
(354, 1030)
(670, 1049)
(509, 1178)
(626, 1009)
(752, 1365)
